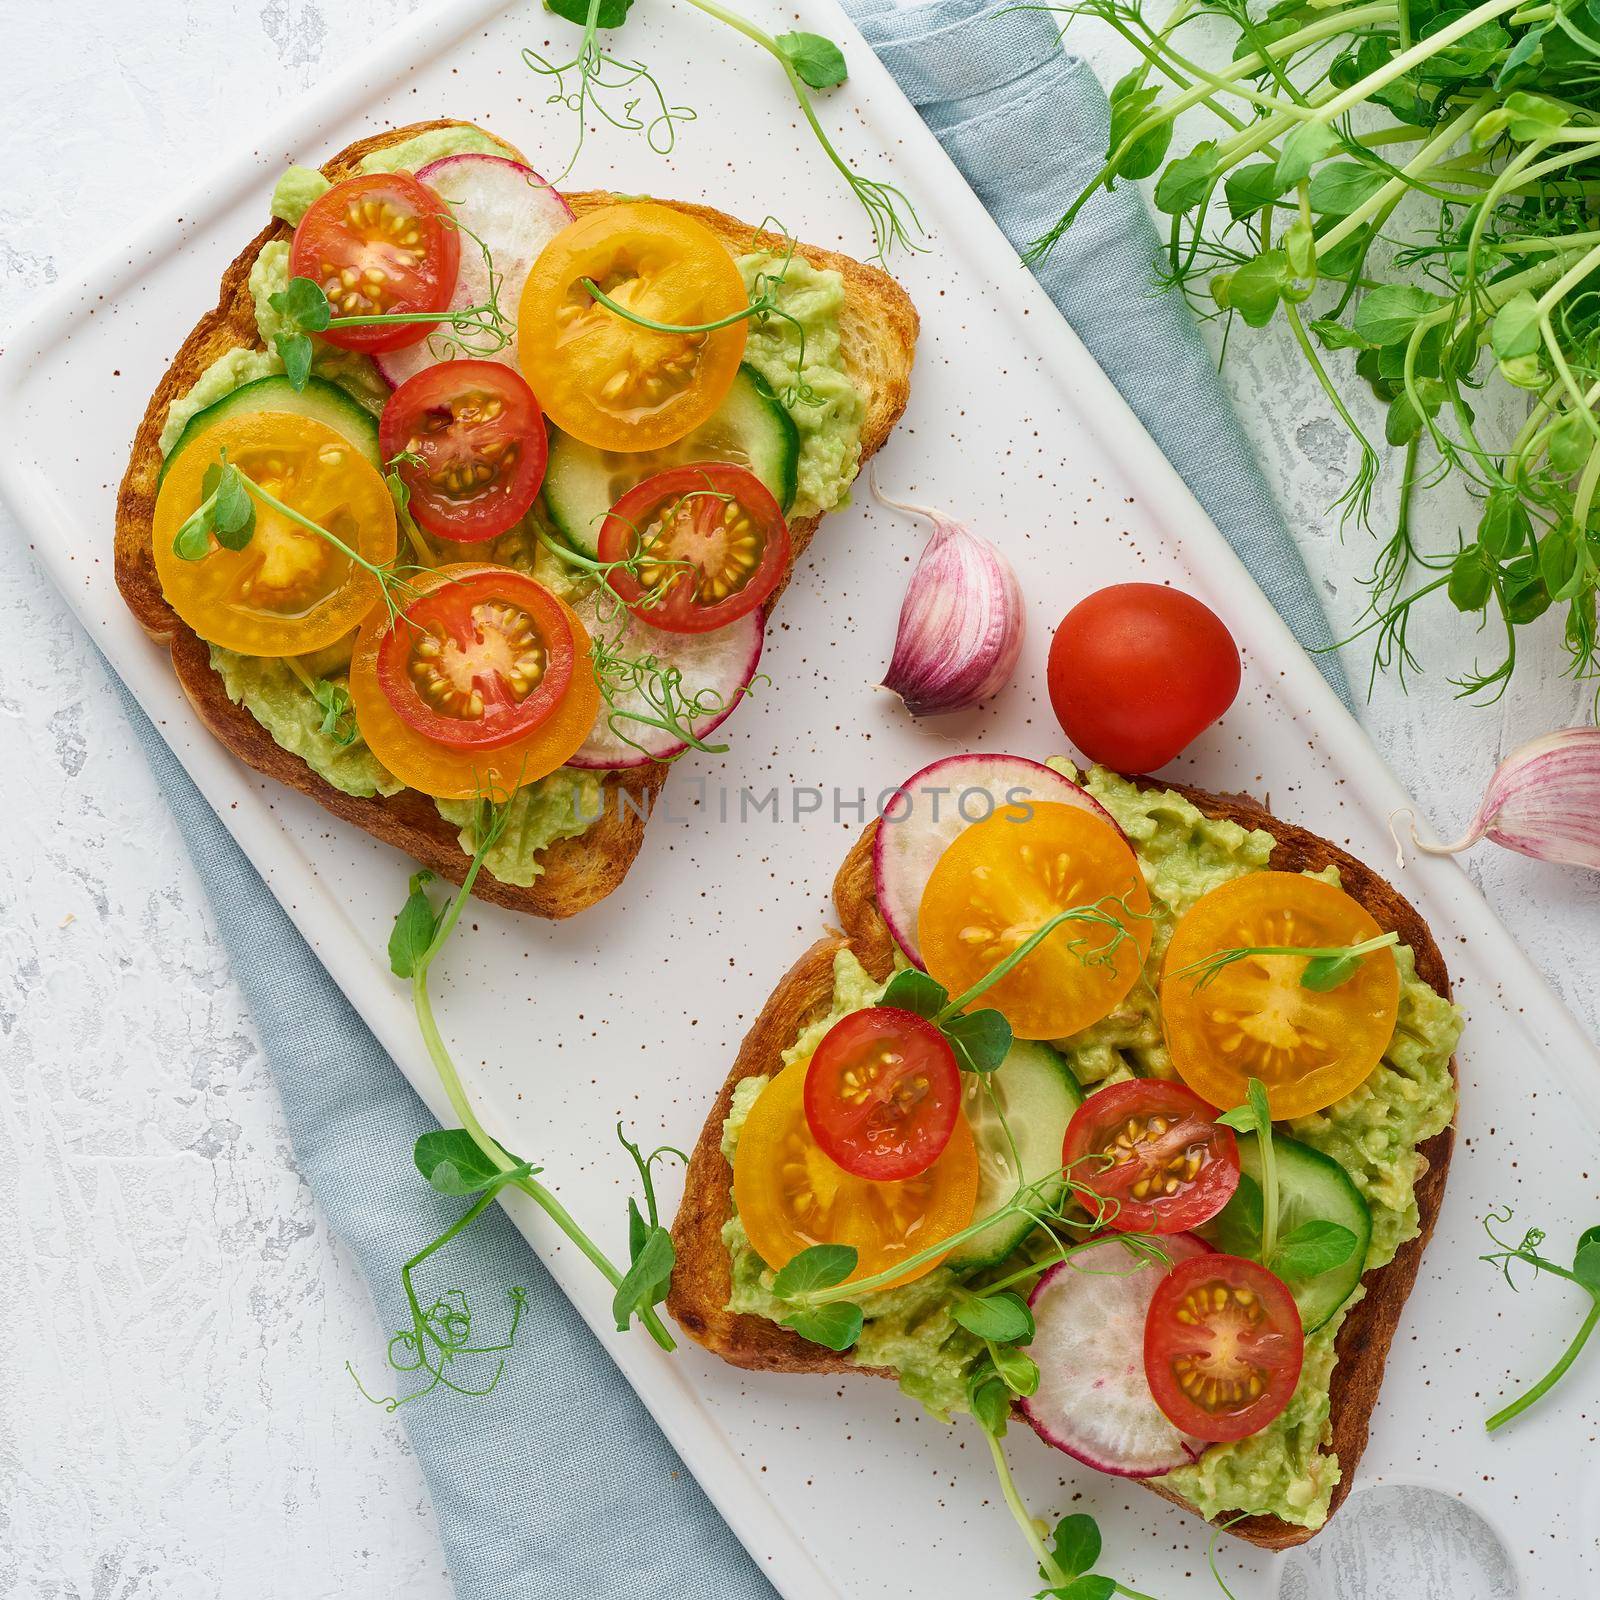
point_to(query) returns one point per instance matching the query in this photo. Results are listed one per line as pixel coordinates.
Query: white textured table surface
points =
(178, 1420)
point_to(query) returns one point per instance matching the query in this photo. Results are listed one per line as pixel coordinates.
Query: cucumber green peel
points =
(1485, 123)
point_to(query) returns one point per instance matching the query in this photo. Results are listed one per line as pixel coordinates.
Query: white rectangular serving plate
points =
(635, 1009)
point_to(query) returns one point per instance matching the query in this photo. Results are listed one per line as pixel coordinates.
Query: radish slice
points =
(1093, 1399)
(919, 824)
(716, 665)
(516, 214)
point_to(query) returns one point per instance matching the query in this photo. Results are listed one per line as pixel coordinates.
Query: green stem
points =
(384, 578)
(1054, 1576)
(1025, 949)
(639, 320)
(423, 1330)
(462, 316)
(1269, 1193)
(461, 1104)
(1558, 1371)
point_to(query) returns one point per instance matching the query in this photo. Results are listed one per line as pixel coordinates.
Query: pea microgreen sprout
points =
(765, 290)
(1327, 966)
(469, 1155)
(1436, 194)
(642, 691)
(225, 513)
(338, 714)
(604, 82)
(476, 330)
(1584, 1272)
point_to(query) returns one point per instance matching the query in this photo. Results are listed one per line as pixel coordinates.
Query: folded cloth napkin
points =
(561, 1484)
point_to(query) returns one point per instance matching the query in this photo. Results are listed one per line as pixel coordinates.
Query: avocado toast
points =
(1302, 1467)
(572, 865)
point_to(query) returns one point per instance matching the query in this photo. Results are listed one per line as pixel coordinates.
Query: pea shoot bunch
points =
(1413, 186)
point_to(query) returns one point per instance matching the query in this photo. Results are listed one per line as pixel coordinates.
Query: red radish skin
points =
(909, 841)
(1093, 1402)
(516, 214)
(720, 663)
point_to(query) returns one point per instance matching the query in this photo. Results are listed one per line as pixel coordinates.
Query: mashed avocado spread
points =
(828, 412)
(1374, 1133)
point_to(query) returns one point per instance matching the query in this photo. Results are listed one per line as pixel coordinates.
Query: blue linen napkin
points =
(562, 1484)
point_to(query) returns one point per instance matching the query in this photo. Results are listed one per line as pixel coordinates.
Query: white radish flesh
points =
(1093, 1401)
(516, 214)
(716, 668)
(937, 804)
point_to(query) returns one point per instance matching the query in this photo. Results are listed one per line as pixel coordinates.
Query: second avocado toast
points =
(1278, 1488)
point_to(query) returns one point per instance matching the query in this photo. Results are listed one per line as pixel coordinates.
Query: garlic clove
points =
(1543, 801)
(961, 622)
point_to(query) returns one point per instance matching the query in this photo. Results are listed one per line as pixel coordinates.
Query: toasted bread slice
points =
(879, 333)
(701, 1280)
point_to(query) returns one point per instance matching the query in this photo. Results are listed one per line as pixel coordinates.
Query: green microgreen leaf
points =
(981, 1040)
(820, 1267)
(1076, 1544)
(1515, 329)
(914, 990)
(820, 62)
(1341, 187)
(1247, 189)
(295, 352)
(1308, 144)
(1256, 288)
(303, 304)
(1471, 584)
(233, 513)
(1312, 1249)
(193, 539)
(1387, 315)
(1018, 1371)
(338, 712)
(1131, 103)
(1323, 973)
(414, 928)
(1003, 1318)
(989, 1399)
(835, 1326)
(454, 1162)
(612, 13)
(644, 1284)
(1186, 181)
(1092, 1586)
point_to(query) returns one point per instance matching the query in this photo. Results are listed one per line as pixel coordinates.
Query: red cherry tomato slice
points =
(480, 440)
(883, 1093)
(1223, 1347)
(479, 661)
(1138, 671)
(707, 540)
(1154, 1154)
(379, 245)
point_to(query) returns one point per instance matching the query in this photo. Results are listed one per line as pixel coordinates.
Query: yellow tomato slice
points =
(455, 774)
(288, 591)
(1254, 1018)
(1003, 879)
(791, 1196)
(607, 380)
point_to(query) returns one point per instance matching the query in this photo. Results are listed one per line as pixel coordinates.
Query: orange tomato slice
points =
(791, 1196)
(605, 379)
(1003, 879)
(288, 591)
(1254, 1018)
(462, 774)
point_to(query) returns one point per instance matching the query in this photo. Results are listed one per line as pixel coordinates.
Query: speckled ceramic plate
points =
(635, 1009)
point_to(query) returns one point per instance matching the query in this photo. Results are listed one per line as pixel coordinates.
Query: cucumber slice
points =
(581, 483)
(1312, 1187)
(320, 399)
(1038, 1093)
